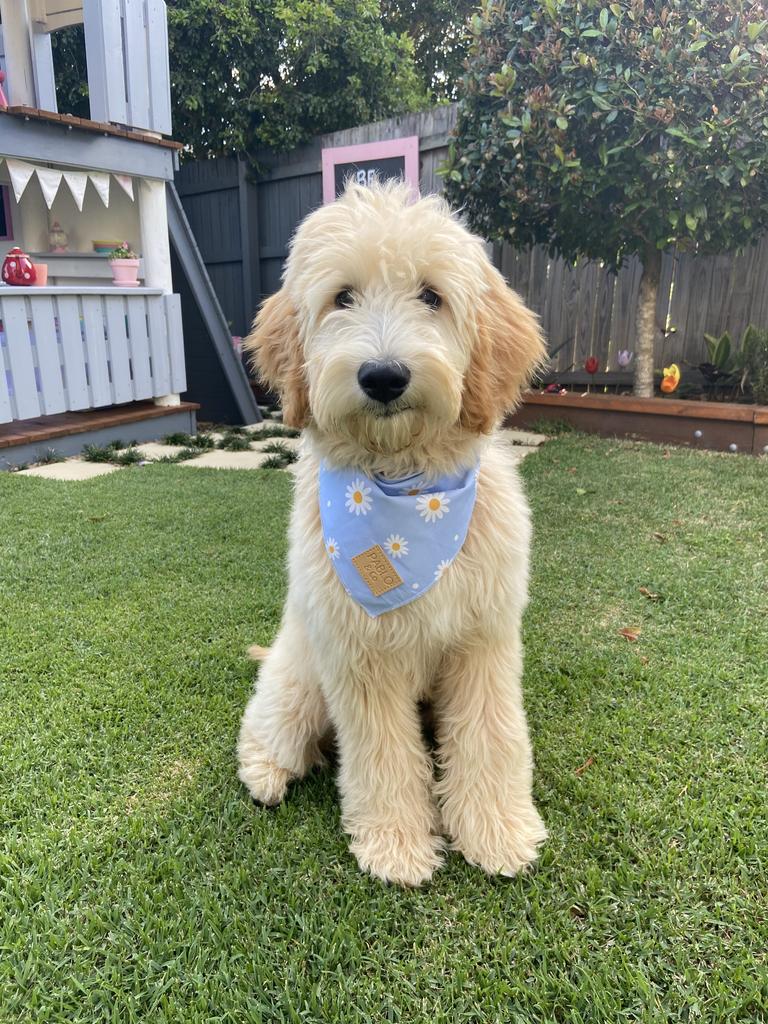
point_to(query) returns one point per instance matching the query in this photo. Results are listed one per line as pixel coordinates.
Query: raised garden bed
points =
(715, 425)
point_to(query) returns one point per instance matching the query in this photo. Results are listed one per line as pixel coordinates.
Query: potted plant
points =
(125, 266)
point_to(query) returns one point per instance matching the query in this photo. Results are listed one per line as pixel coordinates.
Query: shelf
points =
(101, 289)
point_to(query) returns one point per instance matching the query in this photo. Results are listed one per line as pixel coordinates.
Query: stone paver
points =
(72, 469)
(155, 450)
(227, 460)
(524, 437)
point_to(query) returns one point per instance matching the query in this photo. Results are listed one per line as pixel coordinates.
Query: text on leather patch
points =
(377, 571)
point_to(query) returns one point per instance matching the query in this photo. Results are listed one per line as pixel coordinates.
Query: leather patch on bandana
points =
(377, 570)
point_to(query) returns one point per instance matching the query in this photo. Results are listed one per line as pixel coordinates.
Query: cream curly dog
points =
(399, 347)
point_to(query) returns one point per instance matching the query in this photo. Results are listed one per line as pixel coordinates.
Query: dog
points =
(398, 347)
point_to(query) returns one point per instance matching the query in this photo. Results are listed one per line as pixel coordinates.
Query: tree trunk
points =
(646, 322)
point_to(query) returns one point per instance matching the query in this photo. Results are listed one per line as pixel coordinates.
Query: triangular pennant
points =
(77, 180)
(101, 184)
(50, 179)
(125, 181)
(20, 172)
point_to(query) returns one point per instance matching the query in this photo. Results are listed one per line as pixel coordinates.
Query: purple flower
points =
(624, 358)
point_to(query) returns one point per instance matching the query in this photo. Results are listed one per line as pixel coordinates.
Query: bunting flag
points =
(50, 180)
(77, 181)
(20, 172)
(126, 184)
(100, 182)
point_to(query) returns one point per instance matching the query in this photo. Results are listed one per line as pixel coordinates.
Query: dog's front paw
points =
(499, 843)
(266, 781)
(395, 855)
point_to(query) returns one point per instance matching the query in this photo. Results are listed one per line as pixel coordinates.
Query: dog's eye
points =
(344, 299)
(431, 298)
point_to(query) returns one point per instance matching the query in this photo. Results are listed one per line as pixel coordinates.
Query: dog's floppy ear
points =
(276, 353)
(507, 348)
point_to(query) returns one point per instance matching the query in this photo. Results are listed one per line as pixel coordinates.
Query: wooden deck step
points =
(44, 428)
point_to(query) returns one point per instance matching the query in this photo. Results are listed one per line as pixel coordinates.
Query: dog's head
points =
(392, 328)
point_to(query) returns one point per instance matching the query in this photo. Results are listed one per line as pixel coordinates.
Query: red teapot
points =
(18, 268)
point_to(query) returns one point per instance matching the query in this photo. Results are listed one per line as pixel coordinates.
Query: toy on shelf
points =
(18, 268)
(57, 238)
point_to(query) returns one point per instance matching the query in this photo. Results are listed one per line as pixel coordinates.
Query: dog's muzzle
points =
(383, 382)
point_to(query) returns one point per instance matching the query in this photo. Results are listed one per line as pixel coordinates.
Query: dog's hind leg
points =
(284, 720)
(485, 756)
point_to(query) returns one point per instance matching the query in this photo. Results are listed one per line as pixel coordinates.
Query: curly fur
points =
(459, 646)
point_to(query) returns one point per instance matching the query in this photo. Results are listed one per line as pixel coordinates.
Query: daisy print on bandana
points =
(396, 546)
(377, 531)
(358, 497)
(432, 506)
(332, 548)
(441, 568)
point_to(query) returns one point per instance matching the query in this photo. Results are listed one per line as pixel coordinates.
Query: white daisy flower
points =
(396, 545)
(332, 548)
(359, 499)
(432, 506)
(441, 568)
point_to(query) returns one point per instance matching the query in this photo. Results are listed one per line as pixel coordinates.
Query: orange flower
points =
(671, 379)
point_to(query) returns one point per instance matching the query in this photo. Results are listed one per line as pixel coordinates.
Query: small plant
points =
(199, 441)
(122, 252)
(280, 456)
(288, 455)
(128, 457)
(49, 456)
(116, 452)
(182, 456)
(274, 430)
(232, 442)
(751, 362)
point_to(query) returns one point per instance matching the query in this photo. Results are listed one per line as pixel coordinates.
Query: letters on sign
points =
(364, 163)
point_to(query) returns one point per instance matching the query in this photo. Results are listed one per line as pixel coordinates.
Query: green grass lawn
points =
(139, 883)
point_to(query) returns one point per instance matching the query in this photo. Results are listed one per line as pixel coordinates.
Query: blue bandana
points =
(391, 540)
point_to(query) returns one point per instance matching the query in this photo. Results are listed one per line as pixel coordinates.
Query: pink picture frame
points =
(6, 225)
(366, 156)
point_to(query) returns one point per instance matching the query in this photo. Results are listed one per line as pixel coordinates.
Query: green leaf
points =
(691, 222)
(657, 33)
(562, 123)
(754, 29)
(603, 19)
(612, 116)
(591, 32)
(734, 53)
(526, 120)
(698, 45)
(559, 153)
(615, 9)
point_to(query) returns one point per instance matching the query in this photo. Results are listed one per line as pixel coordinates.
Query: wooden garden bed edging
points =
(664, 420)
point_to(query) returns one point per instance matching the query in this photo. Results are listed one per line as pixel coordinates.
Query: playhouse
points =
(83, 358)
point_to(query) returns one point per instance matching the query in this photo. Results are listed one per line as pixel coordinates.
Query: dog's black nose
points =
(383, 382)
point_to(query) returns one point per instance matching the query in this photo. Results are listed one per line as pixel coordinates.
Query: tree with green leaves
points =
(605, 129)
(250, 73)
(438, 31)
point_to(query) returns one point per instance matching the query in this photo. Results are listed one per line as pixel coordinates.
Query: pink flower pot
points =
(41, 272)
(125, 273)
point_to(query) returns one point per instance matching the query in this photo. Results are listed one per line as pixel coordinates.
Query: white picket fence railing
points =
(63, 349)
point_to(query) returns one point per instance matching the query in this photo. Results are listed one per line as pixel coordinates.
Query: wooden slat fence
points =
(243, 222)
(68, 349)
